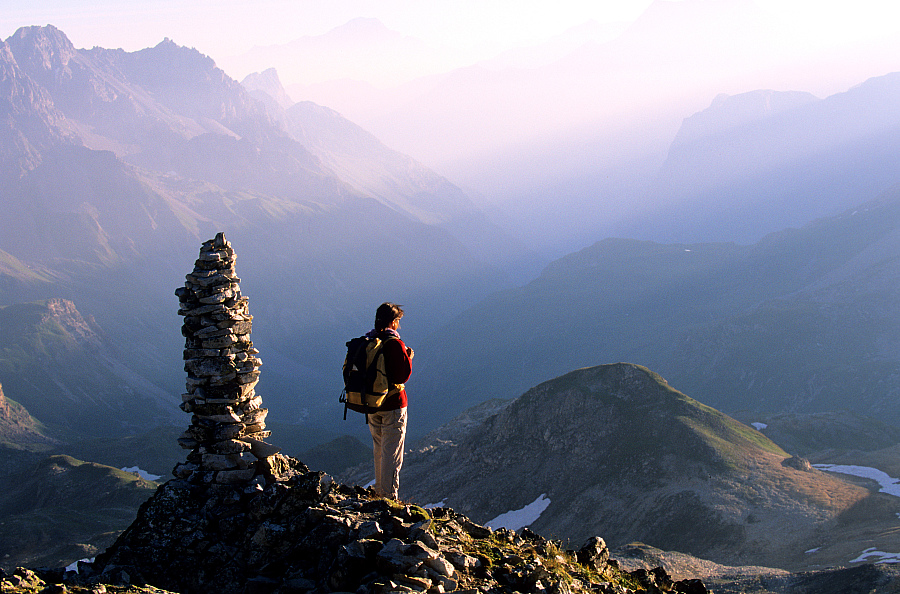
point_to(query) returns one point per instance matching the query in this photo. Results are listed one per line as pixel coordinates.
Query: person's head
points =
(386, 314)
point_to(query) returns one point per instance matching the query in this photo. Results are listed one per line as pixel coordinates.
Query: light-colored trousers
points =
(388, 429)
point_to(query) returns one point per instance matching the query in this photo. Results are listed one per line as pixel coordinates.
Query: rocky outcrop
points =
(29, 115)
(228, 420)
(83, 329)
(305, 533)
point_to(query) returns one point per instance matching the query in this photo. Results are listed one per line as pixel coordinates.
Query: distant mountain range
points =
(116, 165)
(767, 160)
(802, 321)
(363, 49)
(568, 144)
(616, 451)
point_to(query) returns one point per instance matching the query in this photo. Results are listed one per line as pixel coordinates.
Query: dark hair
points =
(386, 314)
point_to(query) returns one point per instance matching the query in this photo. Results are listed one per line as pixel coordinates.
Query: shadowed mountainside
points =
(18, 429)
(67, 373)
(803, 321)
(116, 163)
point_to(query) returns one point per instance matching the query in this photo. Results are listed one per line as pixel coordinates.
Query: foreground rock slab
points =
(305, 533)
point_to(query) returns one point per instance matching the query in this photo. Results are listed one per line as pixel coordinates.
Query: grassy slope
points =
(623, 455)
(62, 509)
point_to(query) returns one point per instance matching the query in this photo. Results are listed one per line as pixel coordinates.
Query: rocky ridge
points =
(305, 533)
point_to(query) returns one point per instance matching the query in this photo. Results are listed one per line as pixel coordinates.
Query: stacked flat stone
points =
(228, 421)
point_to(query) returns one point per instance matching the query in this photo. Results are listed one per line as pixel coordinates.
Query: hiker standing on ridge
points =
(388, 425)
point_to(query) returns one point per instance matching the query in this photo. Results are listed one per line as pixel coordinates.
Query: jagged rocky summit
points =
(228, 421)
(305, 533)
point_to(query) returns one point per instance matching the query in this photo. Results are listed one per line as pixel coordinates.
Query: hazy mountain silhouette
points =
(396, 180)
(803, 320)
(566, 147)
(764, 161)
(119, 164)
(356, 50)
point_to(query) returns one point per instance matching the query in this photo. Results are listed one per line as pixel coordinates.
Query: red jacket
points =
(398, 367)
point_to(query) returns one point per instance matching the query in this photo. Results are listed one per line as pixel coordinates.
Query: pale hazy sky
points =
(223, 28)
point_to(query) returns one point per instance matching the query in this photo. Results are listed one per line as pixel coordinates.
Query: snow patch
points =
(441, 503)
(815, 550)
(513, 520)
(142, 473)
(759, 426)
(889, 484)
(884, 557)
(74, 566)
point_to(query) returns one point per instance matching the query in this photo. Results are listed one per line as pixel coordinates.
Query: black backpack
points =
(366, 384)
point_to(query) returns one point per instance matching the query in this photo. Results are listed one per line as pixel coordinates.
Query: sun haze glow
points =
(228, 27)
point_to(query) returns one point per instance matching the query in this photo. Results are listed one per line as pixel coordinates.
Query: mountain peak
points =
(42, 48)
(615, 450)
(269, 83)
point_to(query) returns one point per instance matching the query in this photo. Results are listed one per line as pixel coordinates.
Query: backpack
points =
(365, 379)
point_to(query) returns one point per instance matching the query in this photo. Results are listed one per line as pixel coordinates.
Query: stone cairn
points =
(228, 421)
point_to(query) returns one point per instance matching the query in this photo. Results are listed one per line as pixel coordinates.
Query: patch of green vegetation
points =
(13, 267)
(559, 562)
(504, 547)
(727, 440)
(724, 426)
(415, 512)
